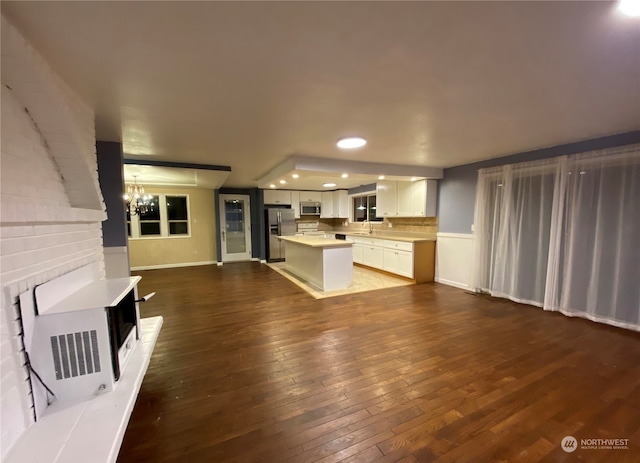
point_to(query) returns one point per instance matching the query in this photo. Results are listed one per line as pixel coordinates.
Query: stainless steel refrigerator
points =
(280, 222)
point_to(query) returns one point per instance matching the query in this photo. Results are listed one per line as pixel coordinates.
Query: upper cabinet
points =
(335, 204)
(341, 204)
(387, 198)
(279, 197)
(406, 198)
(311, 196)
(295, 203)
(327, 205)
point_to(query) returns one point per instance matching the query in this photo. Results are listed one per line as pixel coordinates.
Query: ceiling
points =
(430, 84)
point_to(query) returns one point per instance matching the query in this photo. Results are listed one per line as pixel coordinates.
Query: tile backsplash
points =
(421, 225)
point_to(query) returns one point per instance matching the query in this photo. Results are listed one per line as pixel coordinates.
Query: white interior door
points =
(235, 227)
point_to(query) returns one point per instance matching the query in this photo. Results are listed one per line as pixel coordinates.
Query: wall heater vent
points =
(75, 354)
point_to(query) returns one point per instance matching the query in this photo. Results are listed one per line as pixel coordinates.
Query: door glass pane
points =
(235, 235)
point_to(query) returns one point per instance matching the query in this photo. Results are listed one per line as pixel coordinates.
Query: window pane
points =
(153, 211)
(372, 210)
(178, 228)
(149, 228)
(360, 209)
(177, 207)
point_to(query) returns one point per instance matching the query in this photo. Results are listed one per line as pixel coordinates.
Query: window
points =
(150, 219)
(166, 216)
(364, 209)
(177, 215)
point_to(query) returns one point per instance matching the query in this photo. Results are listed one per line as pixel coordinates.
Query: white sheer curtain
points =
(512, 221)
(595, 252)
(563, 234)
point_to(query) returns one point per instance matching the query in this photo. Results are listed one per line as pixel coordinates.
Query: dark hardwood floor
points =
(249, 368)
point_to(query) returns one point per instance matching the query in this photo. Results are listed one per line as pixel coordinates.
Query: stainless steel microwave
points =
(309, 208)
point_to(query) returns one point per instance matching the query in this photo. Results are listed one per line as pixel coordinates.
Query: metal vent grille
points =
(75, 354)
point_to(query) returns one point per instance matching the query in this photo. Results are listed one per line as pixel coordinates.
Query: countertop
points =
(387, 236)
(317, 241)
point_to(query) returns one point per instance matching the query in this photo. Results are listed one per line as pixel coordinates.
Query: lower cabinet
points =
(357, 253)
(373, 256)
(399, 262)
(411, 260)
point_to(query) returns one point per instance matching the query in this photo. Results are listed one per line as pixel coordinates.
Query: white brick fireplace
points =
(51, 206)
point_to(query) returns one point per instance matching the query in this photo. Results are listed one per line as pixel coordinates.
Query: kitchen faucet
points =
(370, 227)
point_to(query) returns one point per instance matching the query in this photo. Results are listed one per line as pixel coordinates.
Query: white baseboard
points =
(452, 283)
(182, 264)
(219, 264)
(453, 252)
(263, 261)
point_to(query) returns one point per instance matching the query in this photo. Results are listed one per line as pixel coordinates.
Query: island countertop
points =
(317, 241)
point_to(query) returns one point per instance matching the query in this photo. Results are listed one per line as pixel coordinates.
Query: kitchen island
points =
(325, 263)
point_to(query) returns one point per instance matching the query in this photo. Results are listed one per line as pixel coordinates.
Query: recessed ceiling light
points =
(348, 143)
(328, 185)
(345, 175)
(295, 176)
(282, 182)
(272, 186)
(381, 177)
(413, 179)
(629, 7)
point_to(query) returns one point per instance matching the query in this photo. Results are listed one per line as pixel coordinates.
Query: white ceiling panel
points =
(431, 84)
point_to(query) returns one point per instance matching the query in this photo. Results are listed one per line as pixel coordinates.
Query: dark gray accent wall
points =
(111, 178)
(258, 249)
(362, 189)
(457, 189)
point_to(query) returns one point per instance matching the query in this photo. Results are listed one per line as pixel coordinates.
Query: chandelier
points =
(137, 202)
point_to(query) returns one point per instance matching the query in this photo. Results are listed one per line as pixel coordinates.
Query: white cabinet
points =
(311, 196)
(356, 248)
(398, 257)
(281, 197)
(327, 205)
(406, 199)
(422, 198)
(387, 198)
(341, 204)
(357, 253)
(295, 203)
(415, 260)
(372, 253)
(398, 262)
(335, 204)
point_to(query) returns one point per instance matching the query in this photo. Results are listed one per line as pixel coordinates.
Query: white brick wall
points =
(48, 226)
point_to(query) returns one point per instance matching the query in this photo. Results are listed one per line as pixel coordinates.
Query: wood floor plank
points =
(249, 368)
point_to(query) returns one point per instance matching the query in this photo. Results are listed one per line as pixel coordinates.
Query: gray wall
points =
(457, 189)
(111, 177)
